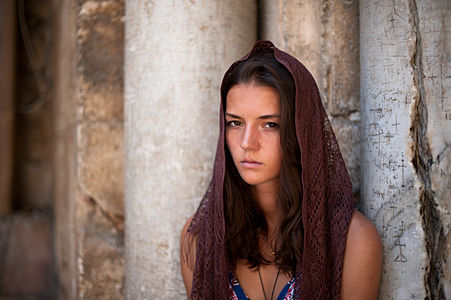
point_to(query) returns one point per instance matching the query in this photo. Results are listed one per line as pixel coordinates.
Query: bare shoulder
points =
(362, 260)
(185, 228)
(187, 250)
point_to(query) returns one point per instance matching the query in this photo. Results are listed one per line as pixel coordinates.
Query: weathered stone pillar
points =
(64, 167)
(176, 55)
(89, 241)
(406, 181)
(324, 36)
(7, 57)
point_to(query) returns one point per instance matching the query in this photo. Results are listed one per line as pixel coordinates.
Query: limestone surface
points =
(175, 58)
(405, 139)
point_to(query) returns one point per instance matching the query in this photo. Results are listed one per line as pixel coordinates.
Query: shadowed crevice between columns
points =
(422, 162)
(260, 19)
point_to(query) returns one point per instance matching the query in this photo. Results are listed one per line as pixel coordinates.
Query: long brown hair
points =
(244, 220)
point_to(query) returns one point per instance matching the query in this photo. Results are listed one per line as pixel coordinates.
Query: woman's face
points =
(253, 133)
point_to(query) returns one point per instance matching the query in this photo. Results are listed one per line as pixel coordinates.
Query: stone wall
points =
(324, 36)
(89, 150)
(405, 138)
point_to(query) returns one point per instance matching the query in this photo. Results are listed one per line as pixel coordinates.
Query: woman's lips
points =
(250, 163)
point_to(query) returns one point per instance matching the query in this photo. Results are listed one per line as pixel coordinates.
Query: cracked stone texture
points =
(101, 260)
(435, 25)
(100, 209)
(324, 36)
(171, 125)
(402, 82)
(89, 152)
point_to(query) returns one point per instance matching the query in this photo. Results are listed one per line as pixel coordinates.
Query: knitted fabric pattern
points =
(327, 199)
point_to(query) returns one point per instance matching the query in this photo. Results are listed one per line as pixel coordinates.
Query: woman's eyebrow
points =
(273, 116)
(264, 117)
(232, 115)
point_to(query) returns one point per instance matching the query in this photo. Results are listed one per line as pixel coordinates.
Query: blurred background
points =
(34, 39)
(109, 122)
(27, 34)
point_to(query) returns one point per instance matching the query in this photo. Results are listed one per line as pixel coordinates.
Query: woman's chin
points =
(259, 181)
(251, 179)
(252, 182)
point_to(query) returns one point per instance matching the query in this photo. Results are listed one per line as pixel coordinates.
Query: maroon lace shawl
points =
(326, 209)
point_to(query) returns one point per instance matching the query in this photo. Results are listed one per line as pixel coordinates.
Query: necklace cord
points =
(274, 285)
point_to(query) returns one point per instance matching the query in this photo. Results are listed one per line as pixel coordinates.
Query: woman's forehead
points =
(252, 98)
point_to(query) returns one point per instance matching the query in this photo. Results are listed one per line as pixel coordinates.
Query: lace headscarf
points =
(327, 198)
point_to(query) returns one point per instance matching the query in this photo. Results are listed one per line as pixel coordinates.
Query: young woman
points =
(278, 220)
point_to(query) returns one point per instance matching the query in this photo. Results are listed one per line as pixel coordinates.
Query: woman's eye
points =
(234, 123)
(271, 125)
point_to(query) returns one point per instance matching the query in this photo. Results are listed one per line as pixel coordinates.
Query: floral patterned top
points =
(237, 293)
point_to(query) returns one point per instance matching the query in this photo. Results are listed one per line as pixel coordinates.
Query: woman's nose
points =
(249, 139)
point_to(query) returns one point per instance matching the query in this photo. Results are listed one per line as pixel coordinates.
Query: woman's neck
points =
(266, 198)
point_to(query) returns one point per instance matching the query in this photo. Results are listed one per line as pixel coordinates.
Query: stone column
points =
(405, 88)
(7, 58)
(89, 233)
(176, 55)
(324, 36)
